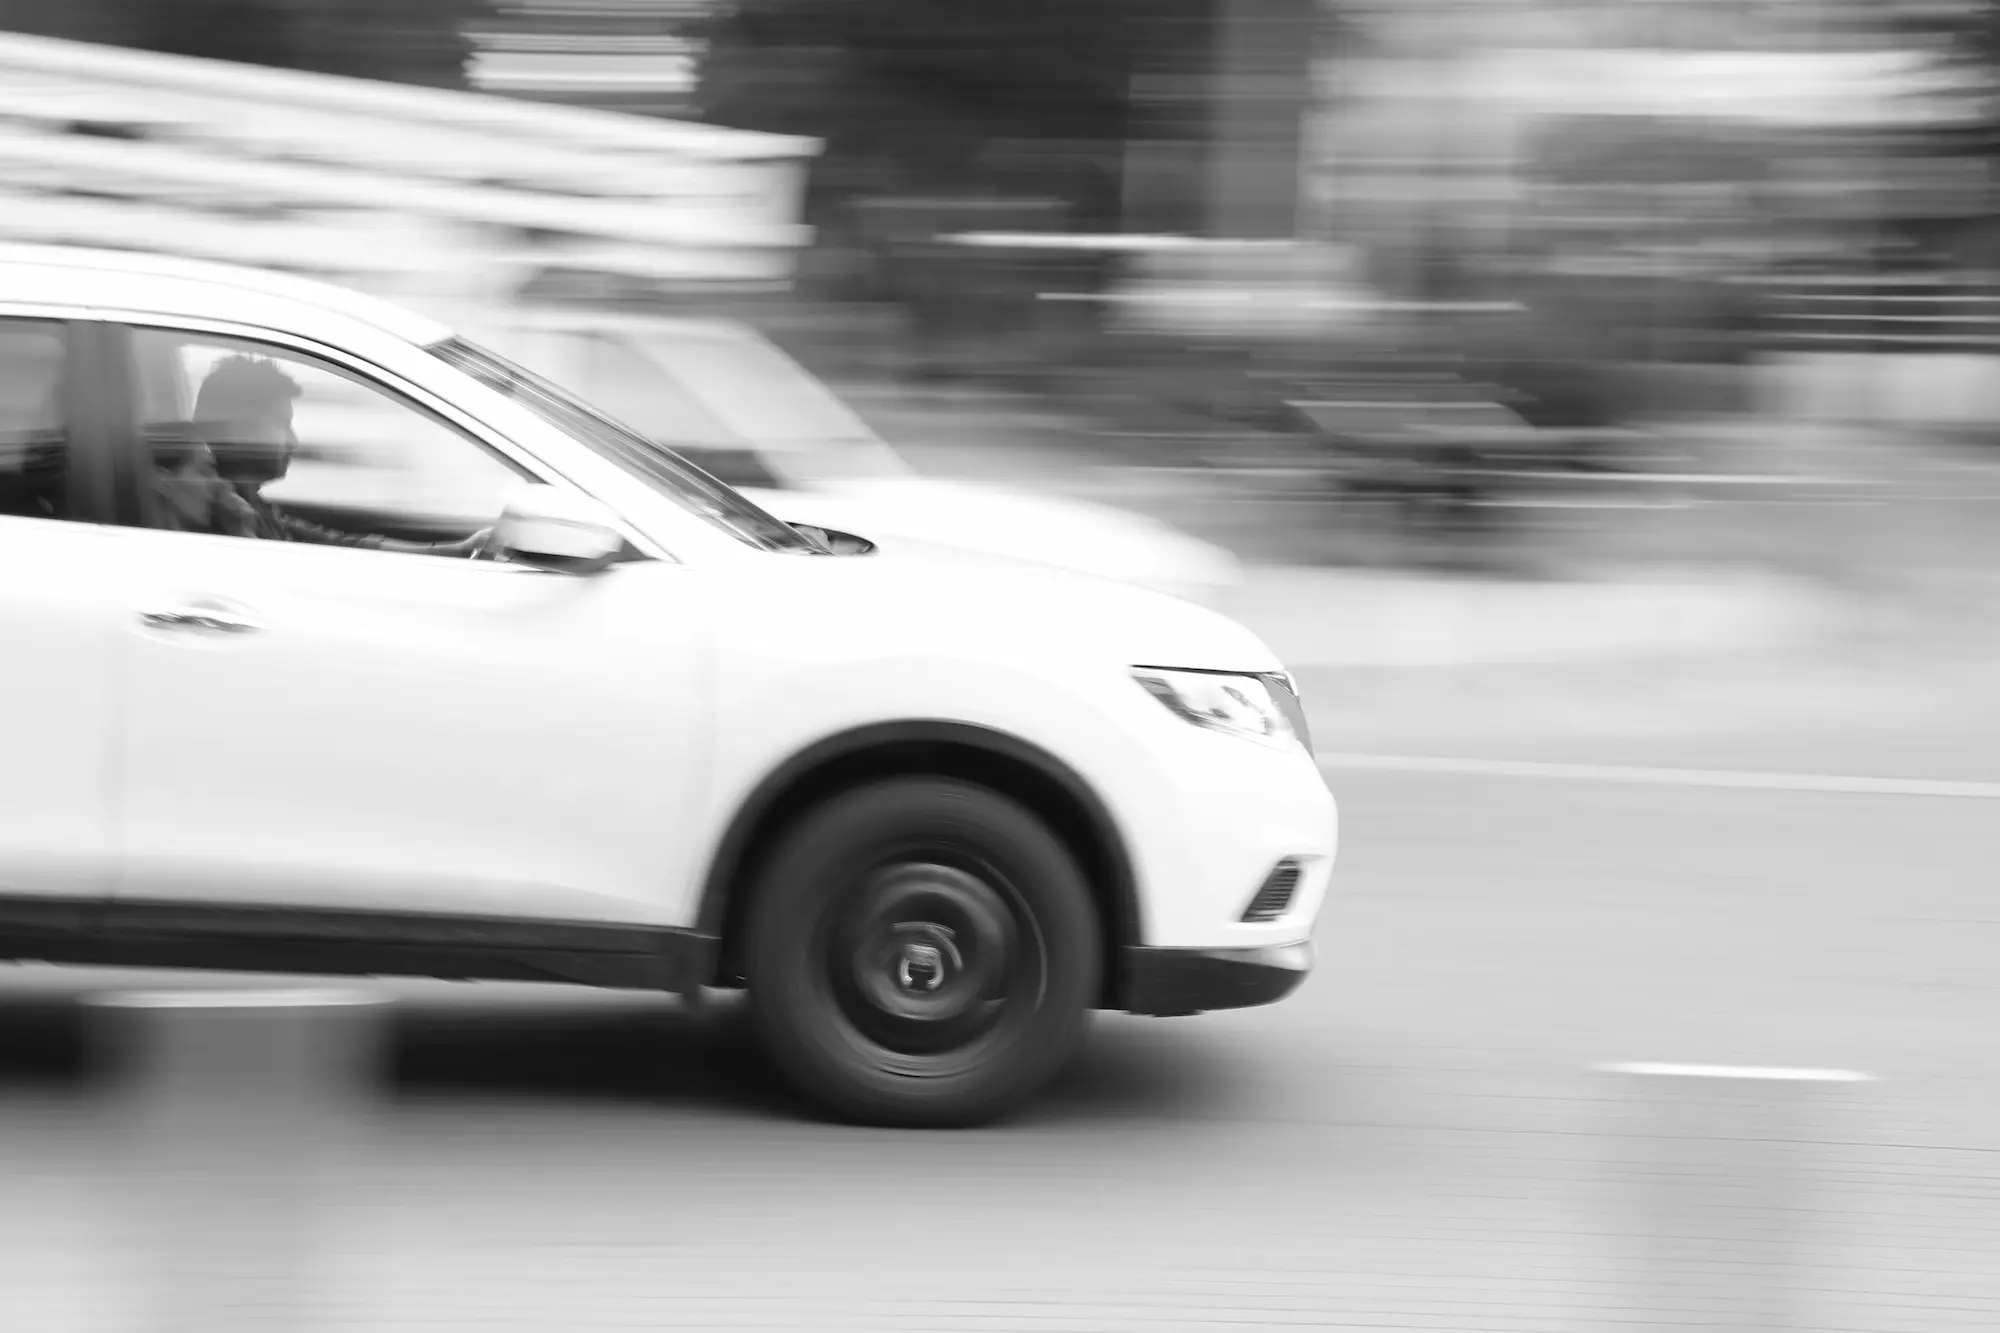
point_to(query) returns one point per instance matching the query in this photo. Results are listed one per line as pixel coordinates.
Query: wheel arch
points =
(1023, 771)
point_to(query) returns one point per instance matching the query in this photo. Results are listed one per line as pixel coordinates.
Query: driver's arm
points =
(304, 530)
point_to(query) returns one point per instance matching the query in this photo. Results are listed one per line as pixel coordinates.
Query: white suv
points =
(338, 645)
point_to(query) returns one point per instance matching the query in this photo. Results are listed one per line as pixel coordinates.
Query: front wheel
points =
(921, 952)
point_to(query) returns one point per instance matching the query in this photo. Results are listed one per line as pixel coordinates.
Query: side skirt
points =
(230, 938)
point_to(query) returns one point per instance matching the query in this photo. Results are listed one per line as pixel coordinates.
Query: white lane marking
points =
(1749, 1072)
(1666, 777)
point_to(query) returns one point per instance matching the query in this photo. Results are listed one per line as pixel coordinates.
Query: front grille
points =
(1274, 899)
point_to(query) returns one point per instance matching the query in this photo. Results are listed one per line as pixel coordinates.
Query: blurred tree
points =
(397, 40)
(939, 96)
(1965, 34)
(1972, 26)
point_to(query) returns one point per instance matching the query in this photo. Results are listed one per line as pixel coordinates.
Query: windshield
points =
(660, 468)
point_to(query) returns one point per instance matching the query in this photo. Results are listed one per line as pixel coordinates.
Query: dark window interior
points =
(34, 426)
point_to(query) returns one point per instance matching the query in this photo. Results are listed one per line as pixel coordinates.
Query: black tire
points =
(921, 953)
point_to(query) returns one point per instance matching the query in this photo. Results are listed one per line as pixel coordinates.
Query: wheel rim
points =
(931, 965)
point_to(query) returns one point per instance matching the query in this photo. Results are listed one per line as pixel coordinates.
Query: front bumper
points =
(1173, 983)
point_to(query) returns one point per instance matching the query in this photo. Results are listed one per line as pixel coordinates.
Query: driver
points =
(244, 413)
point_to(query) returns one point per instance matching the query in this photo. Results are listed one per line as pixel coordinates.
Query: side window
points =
(34, 425)
(246, 439)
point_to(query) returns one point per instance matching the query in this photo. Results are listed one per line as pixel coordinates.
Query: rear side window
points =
(34, 420)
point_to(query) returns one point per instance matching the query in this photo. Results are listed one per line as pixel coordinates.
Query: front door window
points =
(247, 439)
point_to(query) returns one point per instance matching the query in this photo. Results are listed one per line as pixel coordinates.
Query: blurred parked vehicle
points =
(726, 398)
(1456, 457)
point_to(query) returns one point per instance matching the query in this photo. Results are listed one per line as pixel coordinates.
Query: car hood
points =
(925, 598)
(1075, 535)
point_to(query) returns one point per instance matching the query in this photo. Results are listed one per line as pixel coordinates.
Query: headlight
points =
(1256, 707)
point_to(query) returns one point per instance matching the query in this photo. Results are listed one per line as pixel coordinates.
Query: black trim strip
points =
(1175, 983)
(227, 937)
(105, 422)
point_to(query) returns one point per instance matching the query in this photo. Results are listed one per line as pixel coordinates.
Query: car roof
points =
(158, 284)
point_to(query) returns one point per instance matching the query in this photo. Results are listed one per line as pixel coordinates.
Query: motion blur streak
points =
(1668, 777)
(1593, 404)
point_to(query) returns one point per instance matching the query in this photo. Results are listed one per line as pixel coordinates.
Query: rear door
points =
(60, 613)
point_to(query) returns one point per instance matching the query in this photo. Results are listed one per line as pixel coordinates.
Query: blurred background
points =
(1594, 401)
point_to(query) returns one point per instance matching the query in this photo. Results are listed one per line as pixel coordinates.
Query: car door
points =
(321, 726)
(59, 618)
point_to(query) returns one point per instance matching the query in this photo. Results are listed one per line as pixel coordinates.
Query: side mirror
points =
(840, 543)
(556, 529)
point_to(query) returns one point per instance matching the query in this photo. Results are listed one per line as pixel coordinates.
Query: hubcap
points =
(927, 959)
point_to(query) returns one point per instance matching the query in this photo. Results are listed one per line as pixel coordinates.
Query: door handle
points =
(205, 618)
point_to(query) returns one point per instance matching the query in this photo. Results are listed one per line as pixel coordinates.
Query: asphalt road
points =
(1417, 1140)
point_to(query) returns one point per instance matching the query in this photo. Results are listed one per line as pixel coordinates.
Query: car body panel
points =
(1090, 538)
(1041, 654)
(62, 619)
(411, 733)
(716, 389)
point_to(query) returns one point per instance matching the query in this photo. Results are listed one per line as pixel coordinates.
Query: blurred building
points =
(393, 40)
(621, 55)
(1216, 130)
(1638, 171)
(438, 197)
(1430, 131)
